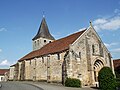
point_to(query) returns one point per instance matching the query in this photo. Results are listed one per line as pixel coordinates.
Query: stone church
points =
(80, 55)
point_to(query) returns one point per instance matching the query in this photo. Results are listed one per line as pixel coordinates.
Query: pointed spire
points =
(43, 31)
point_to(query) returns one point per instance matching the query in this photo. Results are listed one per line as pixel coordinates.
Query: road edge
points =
(34, 85)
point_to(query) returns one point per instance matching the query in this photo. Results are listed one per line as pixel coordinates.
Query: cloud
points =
(4, 63)
(117, 50)
(108, 45)
(108, 23)
(100, 21)
(3, 29)
(81, 29)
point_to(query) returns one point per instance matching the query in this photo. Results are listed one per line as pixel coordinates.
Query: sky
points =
(20, 20)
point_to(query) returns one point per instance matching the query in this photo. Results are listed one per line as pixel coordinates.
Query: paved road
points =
(25, 85)
(50, 86)
(18, 86)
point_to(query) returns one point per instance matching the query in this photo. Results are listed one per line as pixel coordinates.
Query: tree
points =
(117, 72)
(106, 79)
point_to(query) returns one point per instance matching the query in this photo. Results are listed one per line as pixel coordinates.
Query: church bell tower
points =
(43, 36)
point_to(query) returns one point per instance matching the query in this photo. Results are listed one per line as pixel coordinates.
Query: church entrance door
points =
(98, 65)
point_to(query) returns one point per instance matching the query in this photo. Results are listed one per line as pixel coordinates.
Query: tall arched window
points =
(42, 59)
(93, 49)
(80, 55)
(58, 56)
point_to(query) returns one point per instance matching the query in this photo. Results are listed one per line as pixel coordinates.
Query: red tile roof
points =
(54, 47)
(116, 63)
(3, 71)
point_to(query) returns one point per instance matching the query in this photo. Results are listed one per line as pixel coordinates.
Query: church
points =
(80, 55)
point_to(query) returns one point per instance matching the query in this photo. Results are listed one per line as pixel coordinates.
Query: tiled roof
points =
(54, 47)
(3, 71)
(116, 63)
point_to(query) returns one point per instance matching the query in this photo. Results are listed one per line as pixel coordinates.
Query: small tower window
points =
(38, 42)
(58, 56)
(79, 54)
(35, 43)
(44, 41)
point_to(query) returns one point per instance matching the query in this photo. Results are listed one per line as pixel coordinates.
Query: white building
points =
(3, 74)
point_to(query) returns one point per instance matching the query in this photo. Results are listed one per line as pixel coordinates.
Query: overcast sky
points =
(20, 20)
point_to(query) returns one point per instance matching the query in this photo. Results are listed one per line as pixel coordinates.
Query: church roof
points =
(56, 46)
(43, 31)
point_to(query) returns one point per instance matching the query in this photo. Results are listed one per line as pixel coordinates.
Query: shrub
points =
(72, 82)
(106, 79)
(118, 82)
(117, 74)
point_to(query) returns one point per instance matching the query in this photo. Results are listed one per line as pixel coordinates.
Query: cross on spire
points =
(43, 14)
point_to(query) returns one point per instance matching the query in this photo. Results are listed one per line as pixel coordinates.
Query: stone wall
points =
(55, 67)
(45, 68)
(27, 70)
(12, 73)
(40, 42)
(83, 57)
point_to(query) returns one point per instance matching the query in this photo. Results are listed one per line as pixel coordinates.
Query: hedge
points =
(72, 82)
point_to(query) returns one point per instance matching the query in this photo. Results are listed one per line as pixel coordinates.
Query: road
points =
(55, 86)
(18, 86)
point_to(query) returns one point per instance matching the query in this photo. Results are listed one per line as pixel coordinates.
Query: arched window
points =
(38, 42)
(80, 55)
(35, 43)
(93, 49)
(58, 56)
(42, 59)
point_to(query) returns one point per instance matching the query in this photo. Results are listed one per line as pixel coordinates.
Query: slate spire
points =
(43, 31)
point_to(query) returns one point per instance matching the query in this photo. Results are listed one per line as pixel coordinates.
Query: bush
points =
(118, 82)
(71, 82)
(106, 79)
(117, 74)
